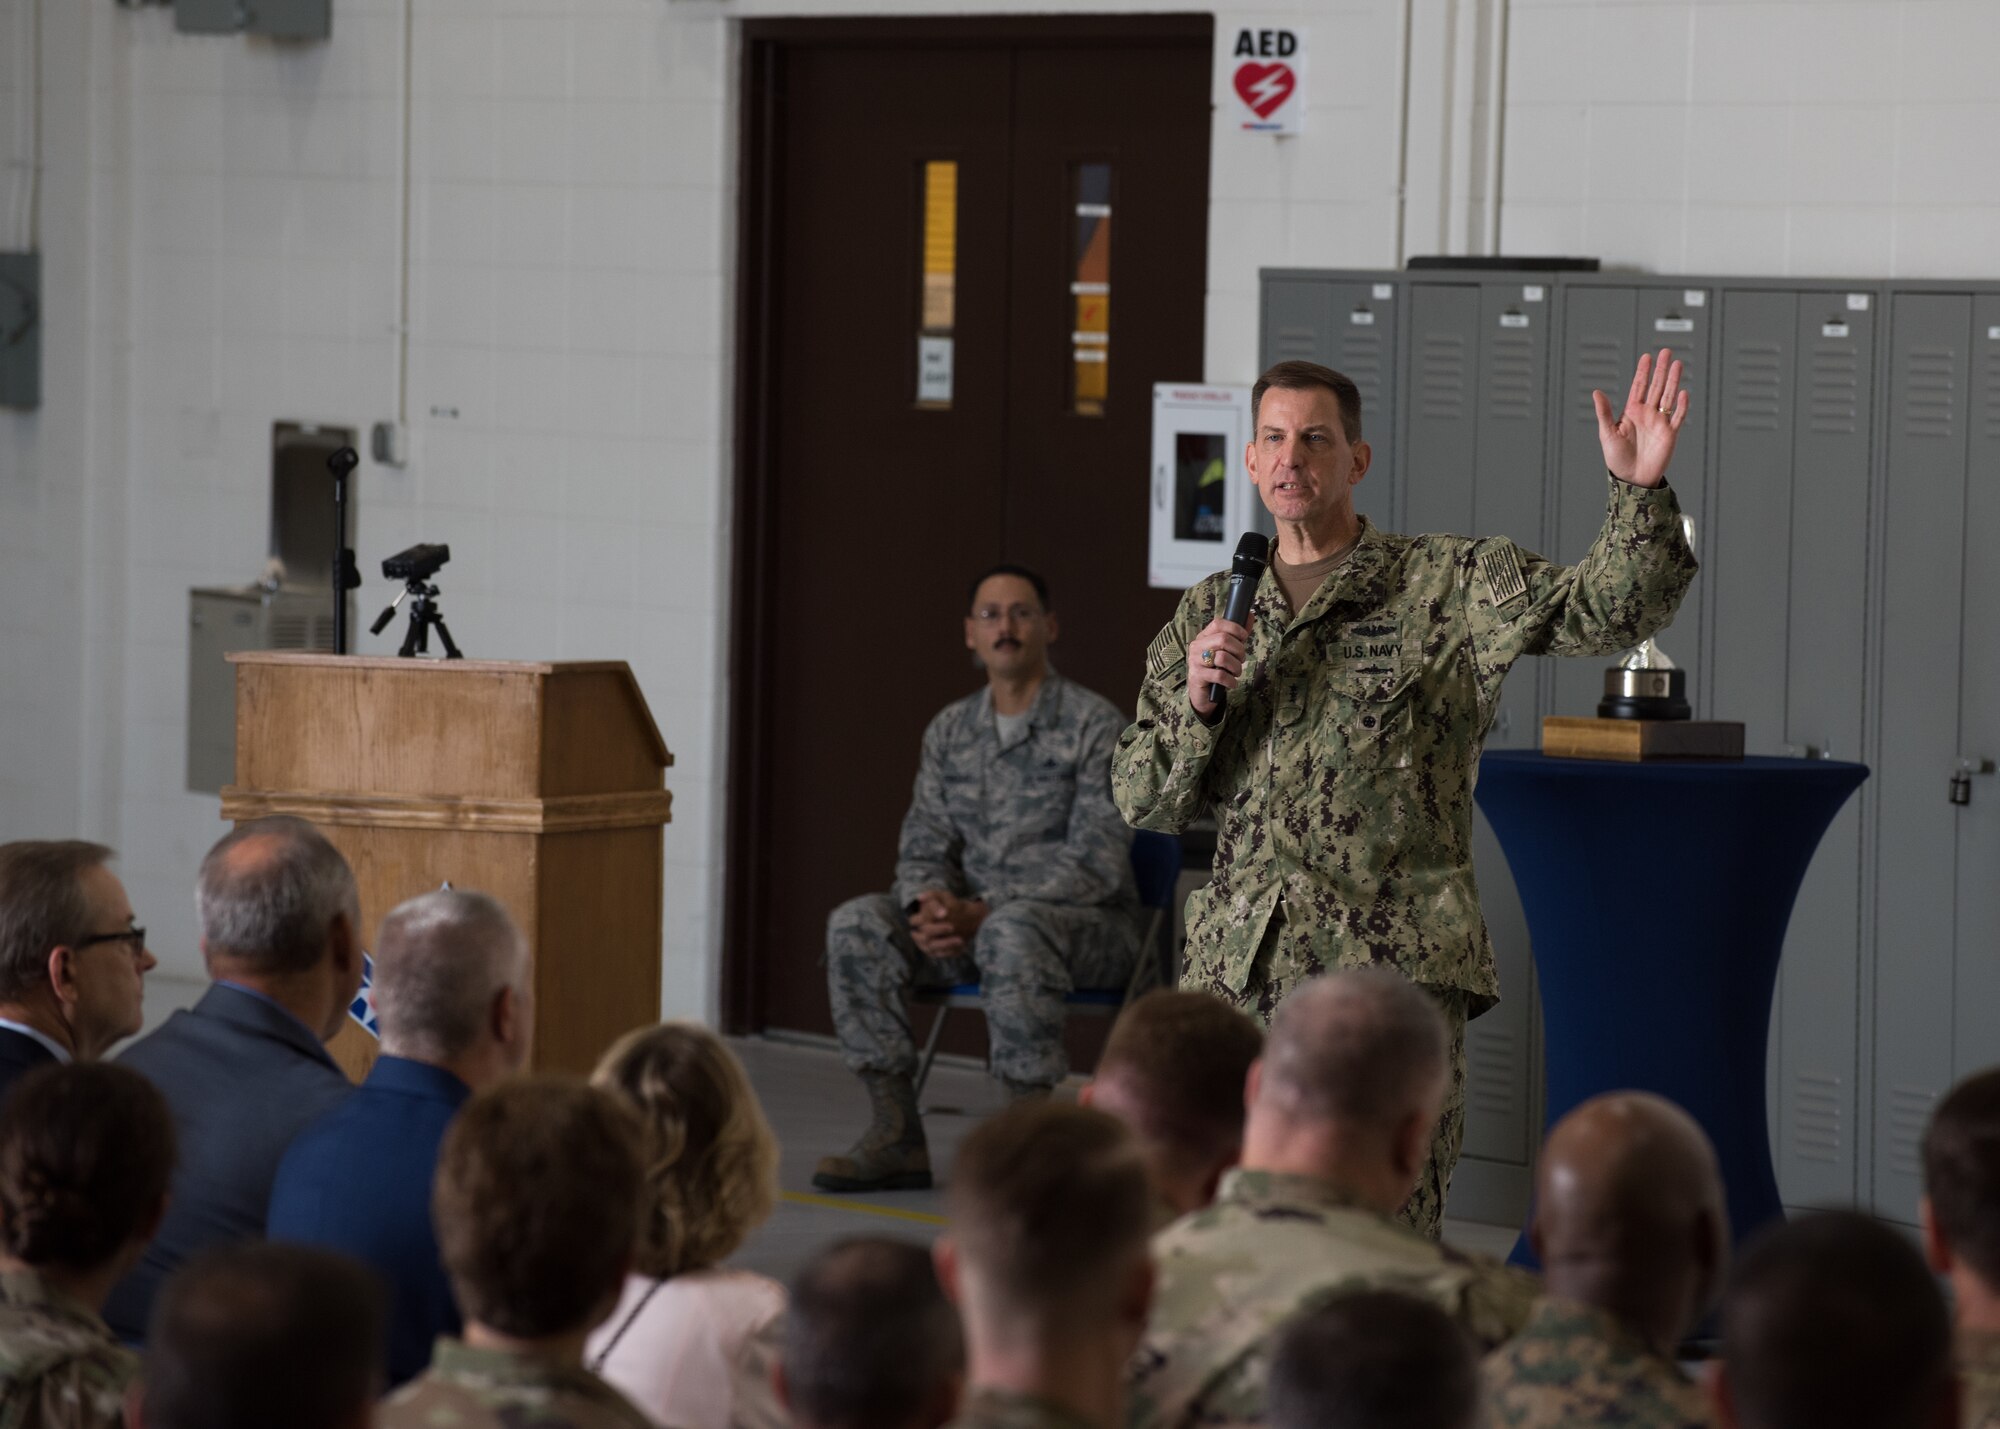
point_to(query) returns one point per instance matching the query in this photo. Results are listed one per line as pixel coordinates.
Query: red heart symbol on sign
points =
(1265, 87)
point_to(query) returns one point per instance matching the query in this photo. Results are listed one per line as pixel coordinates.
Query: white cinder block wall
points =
(222, 225)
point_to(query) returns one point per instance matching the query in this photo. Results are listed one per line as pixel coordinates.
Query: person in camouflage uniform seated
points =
(1961, 1219)
(539, 1196)
(85, 1154)
(1632, 1233)
(1340, 1114)
(1045, 1256)
(1376, 1359)
(1832, 1321)
(867, 1341)
(1336, 739)
(1014, 871)
(256, 1336)
(1173, 1070)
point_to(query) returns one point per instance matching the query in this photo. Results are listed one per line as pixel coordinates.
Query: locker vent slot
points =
(1909, 1114)
(1297, 344)
(1442, 380)
(1989, 395)
(1834, 405)
(1511, 390)
(1755, 401)
(1816, 1117)
(1600, 366)
(1493, 1072)
(290, 632)
(1929, 402)
(1361, 359)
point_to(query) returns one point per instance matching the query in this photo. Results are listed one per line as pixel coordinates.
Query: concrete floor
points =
(816, 1108)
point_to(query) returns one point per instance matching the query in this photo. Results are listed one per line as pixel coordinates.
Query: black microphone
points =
(1244, 572)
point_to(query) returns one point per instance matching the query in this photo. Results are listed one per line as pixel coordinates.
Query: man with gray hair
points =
(72, 960)
(1340, 1111)
(455, 1002)
(246, 1069)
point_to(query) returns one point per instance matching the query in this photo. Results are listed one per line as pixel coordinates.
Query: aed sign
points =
(1263, 79)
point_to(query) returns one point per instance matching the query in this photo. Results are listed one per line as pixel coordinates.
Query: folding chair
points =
(1156, 868)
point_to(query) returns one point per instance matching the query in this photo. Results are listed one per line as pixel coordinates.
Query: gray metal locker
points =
(1350, 326)
(1441, 442)
(1977, 966)
(1922, 613)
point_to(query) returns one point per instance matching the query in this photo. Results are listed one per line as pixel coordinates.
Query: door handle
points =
(1961, 778)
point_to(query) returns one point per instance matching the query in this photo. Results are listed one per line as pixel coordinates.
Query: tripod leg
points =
(413, 639)
(451, 651)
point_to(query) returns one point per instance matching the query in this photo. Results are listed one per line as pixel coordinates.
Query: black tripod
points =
(423, 615)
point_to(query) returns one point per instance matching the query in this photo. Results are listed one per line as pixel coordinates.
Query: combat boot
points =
(1025, 1091)
(891, 1155)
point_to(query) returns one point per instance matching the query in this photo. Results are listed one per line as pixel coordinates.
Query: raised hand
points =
(1639, 444)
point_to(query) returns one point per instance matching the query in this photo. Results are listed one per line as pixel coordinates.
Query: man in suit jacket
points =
(73, 962)
(246, 1070)
(452, 993)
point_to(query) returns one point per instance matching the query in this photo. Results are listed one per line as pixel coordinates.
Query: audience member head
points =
(1961, 1205)
(249, 1336)
(537, 1205)
(869, 1340)
(1629, 1214)
(1173, 1070)
(1009, 623)
(1049, 1209)
(711, 1160)
(280, 913)
(1350, 1085)
(72, 962)
(453, 985)
(86, 1152)
(1379, 1359)
(1832, 1322)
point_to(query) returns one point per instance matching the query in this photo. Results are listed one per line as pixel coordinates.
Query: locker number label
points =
(1833, 330)
(1385, 290)
(1673, 324)
(1513, 319)
(1361, 317)
(1857, 302)
(1694, 297)
(1532, 293)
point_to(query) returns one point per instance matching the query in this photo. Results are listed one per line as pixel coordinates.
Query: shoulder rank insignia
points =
(1502, 570)
(1164, 653)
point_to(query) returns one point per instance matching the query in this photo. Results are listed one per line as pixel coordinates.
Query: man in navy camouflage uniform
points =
(1336, 739)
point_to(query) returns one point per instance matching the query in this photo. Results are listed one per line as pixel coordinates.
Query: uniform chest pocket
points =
(1370, 718)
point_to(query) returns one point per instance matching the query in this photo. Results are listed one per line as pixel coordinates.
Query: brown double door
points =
(969, 248)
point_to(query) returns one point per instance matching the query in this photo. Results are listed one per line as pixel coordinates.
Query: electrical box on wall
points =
(20, 329)
(273, 19)
(1201, 498)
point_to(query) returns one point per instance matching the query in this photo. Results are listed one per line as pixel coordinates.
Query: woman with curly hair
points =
(85, 1153)
(712, 1176)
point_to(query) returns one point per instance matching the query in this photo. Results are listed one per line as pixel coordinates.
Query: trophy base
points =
(1634, 741)
(1644, 694)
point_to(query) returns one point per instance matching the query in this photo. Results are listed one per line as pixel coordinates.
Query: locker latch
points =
(1961, 778)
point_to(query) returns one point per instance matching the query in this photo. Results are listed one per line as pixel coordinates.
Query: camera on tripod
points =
(414, 568)
(418, 563)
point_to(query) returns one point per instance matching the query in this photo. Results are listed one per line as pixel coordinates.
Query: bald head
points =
(1629, 1212)
(269, 894)
(1364, 1046)
(441, 959)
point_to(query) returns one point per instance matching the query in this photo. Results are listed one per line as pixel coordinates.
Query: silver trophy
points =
(1646, 683)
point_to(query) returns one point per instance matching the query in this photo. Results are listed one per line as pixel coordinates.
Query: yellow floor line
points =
(835, 1203)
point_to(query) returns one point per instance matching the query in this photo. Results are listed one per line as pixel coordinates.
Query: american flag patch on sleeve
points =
(1502, 570)
(1164, 653)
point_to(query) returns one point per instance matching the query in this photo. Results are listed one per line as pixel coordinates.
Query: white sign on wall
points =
(1261, 78)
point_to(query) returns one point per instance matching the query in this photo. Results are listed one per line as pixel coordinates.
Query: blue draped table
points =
(1657, 896)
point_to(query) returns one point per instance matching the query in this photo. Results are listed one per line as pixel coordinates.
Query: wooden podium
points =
(541, 784)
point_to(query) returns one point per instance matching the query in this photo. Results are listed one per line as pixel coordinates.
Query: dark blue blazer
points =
(19, 1055)
(358, 1180)
(243, 1077)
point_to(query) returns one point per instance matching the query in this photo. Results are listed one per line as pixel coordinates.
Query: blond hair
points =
(711, 1160)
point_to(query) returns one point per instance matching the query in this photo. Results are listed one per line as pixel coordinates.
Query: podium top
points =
(451, 728)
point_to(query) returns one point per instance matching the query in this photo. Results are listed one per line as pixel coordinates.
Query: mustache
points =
(1006, 642)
